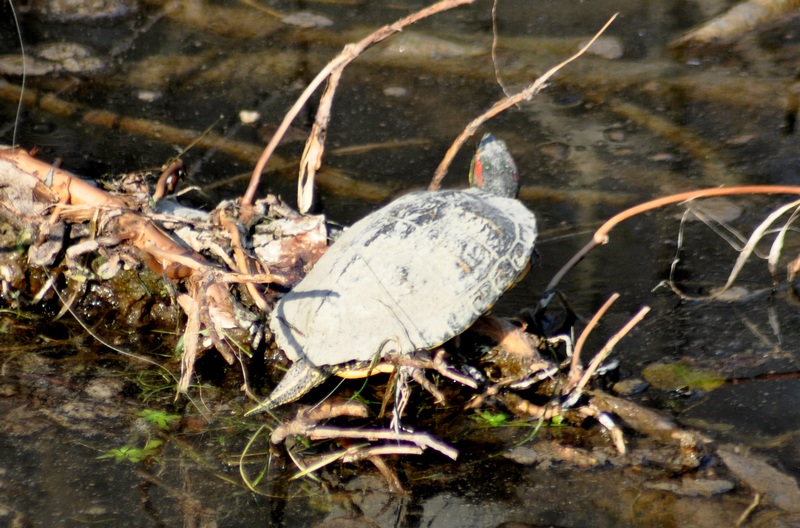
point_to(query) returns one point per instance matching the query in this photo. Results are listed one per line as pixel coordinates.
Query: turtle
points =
(408, 277)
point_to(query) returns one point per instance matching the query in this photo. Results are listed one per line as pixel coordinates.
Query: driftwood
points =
(35, 193)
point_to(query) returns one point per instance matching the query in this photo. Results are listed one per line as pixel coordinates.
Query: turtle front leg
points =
(298, 380)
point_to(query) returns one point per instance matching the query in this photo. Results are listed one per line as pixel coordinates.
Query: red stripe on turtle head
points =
(476, 171)
(493, 169)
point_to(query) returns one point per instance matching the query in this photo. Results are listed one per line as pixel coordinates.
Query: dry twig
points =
(306, 423)
(576, 368)
(502, 105)
(350, 53)
(600, 236)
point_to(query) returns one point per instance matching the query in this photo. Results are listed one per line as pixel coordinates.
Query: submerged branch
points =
(738, 20)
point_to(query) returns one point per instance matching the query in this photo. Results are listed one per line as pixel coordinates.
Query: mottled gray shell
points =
(408, 277)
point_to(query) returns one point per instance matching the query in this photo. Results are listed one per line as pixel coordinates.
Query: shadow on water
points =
(609, 132)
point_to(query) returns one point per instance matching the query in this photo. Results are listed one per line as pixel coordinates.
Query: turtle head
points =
(493, 169)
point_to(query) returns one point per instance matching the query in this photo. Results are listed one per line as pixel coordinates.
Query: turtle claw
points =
(301, 377)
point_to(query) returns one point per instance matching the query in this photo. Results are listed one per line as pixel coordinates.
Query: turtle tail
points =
(298, 380)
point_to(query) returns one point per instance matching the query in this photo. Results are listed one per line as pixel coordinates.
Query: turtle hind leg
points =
(298, 380)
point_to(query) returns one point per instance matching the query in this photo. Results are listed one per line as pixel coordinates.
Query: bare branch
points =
(350, 53)
(502, 105)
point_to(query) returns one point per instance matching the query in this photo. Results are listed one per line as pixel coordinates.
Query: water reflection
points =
(607, 133)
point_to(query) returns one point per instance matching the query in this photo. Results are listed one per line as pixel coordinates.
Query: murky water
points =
(607, 133)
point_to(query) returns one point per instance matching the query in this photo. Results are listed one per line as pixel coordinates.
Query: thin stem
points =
(600, 236)
(501, 106)
(350, 53)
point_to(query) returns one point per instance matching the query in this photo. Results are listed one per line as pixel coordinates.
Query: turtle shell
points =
(410, 276)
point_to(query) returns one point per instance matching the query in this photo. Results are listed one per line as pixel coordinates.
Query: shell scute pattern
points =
(408, 277)
(415, 274)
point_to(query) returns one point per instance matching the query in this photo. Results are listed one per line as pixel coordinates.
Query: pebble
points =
(104, 388)
(606, 47)
(692, 487)
(555, 151)
(412, 44)
(395, 91)
(248, 117)
(630, 386)
(54, 57)
(615, 135)
(73, 10)
(307, 20)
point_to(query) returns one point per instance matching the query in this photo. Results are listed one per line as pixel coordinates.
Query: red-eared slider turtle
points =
(408, 277)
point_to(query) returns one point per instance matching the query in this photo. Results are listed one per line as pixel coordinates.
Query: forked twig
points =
(610, 344)
(350, 53)
(575, 365)
(500, 106)
(423, 440)
(306, 422)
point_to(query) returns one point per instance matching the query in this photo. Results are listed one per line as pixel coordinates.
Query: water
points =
(604, 135)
